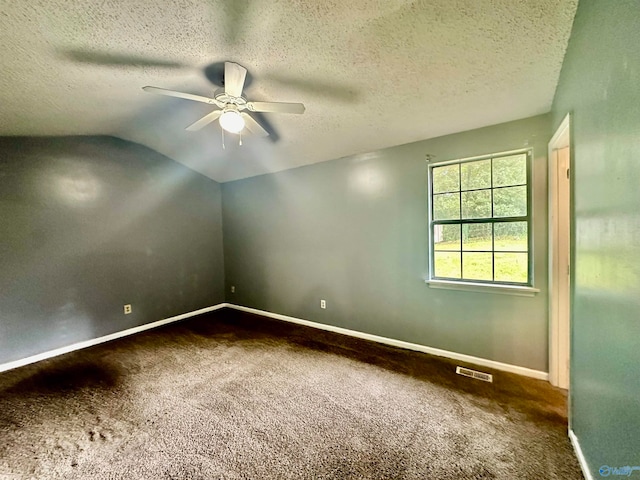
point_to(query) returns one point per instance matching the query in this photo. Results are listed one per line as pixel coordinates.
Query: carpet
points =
(229, 395)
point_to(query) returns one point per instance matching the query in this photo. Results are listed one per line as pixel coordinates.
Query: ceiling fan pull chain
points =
(222, 130)
(240, 138)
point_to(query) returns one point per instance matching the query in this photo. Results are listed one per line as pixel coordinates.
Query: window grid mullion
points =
(493, 231)
(499, 187)
(481, 220)
(493, 252)
(483, 251)
(460, 215)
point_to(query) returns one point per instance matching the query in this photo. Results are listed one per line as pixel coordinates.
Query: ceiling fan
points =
(233, 109)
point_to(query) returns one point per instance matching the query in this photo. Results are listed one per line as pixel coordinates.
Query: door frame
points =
(559, 261)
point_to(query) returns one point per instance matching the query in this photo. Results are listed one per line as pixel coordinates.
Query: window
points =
(480, 220)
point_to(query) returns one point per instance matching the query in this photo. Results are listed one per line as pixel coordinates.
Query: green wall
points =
(600, 87)
(89, 224)
(353, 231)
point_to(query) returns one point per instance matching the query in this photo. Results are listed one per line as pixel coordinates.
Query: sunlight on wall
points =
(368, 180)
(79, 188)
(367, 177)
(607, 263)
(69, 180)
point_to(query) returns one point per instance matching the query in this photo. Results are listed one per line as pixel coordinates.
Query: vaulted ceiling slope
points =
(372, 73)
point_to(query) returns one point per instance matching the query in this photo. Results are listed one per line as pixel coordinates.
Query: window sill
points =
(517, 290)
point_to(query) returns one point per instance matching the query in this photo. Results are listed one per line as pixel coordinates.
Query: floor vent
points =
(467, 372)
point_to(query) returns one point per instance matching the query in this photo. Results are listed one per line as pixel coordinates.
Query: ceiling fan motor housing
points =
(225, 99)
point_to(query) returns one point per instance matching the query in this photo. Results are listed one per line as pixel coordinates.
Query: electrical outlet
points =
(323, 304)
(233, 289)
(127, 309)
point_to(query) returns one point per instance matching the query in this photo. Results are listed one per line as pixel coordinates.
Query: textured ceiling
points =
(372, 73)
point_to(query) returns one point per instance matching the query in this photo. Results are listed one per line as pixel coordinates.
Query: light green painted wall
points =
(600, 86)
(88, 224)
(353, 231)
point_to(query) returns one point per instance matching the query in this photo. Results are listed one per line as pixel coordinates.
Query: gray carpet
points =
(235, 396)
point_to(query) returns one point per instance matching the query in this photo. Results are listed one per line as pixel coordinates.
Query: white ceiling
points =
(372, 73)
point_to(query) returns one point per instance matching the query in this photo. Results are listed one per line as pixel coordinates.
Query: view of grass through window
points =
(480, 220)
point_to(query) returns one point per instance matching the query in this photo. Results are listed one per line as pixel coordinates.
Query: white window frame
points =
(484, 286)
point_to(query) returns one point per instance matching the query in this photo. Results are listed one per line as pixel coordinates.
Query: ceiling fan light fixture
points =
(232, 121)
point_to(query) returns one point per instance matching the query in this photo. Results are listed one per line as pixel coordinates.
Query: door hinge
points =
(567, 173)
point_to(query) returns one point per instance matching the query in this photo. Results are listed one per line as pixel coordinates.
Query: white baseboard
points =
(344, 331)
(399, 343)
(95, 341)
(581, 460)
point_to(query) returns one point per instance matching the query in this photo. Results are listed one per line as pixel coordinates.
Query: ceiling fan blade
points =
(320, 88)
(276, 107)
(186, 96)
(104, 58)
(234, 76)
(237, 21)
(253, 126)
(206, 120)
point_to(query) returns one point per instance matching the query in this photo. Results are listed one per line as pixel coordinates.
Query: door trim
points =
(559, 319)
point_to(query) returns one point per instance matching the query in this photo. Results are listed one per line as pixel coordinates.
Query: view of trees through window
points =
(480, 220)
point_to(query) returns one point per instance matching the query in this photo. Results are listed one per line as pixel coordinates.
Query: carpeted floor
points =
(235, 396)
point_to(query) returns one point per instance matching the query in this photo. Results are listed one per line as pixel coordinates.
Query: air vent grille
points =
(467, 372)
